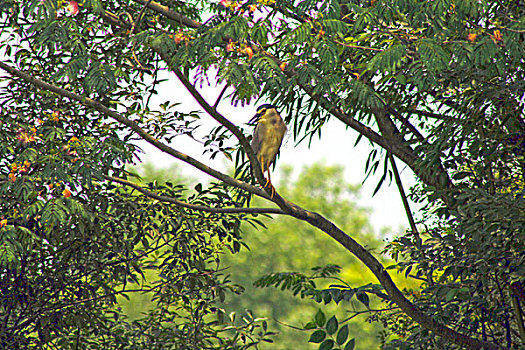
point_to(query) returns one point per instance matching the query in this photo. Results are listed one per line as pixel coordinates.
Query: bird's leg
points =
(269, 182)
(262, 169)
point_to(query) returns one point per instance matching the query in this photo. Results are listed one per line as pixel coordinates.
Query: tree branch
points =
(166, 11)
(137, 21)
(204, 208)
(137, 129)
(219, 98)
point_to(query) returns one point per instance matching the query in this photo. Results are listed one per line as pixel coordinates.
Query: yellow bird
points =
(267, 136)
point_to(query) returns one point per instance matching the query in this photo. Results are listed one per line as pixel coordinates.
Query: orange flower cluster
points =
(234, 5)
(55, 116)
(178, 37)
(26, 136)
(18, 168)
(496, 36)
(232, 46)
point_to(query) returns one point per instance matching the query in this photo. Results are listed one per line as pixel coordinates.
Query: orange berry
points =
(3, 223)
(11, 177)
(66, 193)
(283, 66)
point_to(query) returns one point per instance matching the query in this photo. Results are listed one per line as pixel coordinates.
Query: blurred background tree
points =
(322, 188)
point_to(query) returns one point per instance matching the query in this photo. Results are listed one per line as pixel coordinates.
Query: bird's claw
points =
(269, 183)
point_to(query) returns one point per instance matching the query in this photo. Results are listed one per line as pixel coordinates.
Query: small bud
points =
(73, 7)
(497, 36)
(471, 37)
(249, 52)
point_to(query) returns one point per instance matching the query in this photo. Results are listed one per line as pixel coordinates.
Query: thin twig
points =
(357, 313)
(194, 206)
(402, 193)
(137, 21)
(358, 47)
(220, 97)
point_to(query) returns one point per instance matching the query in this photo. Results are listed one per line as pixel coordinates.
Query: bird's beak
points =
(255, 119)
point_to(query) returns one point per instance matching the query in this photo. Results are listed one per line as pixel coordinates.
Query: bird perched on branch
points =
(267, 137)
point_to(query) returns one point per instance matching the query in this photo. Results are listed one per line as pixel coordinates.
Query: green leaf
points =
(317, 336)
(332, 325)
(363, 298)
(342, 335)
(328, 344)
(350, 345)
(310, 325)
(320, 318)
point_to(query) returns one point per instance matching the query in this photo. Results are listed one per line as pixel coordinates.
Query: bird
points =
(267, 137)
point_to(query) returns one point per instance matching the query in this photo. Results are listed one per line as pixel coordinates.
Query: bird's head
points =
(263, 111)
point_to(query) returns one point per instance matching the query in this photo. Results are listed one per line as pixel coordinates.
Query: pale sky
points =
(335, 147)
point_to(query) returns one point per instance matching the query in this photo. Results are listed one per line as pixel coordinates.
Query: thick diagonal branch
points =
(167, 12)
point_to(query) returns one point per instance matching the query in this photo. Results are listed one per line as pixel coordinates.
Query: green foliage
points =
(438, 83)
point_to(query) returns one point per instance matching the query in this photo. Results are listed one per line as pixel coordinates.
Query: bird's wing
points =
(257, 138)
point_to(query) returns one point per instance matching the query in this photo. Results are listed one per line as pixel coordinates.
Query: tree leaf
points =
(317, 336)
(350, 345)
(320, 318)
(342, 335)
(332, 325)
(328, 344)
